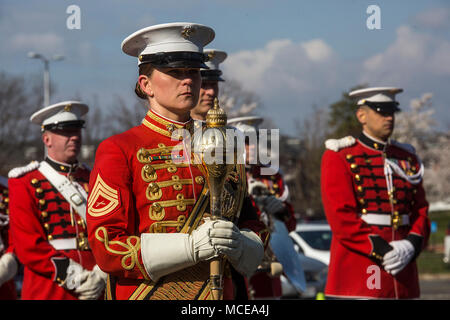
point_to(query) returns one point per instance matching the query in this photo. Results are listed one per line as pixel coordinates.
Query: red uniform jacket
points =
(137, 187)
(262, 284)
(364, 218)
(38, 215)
(8, 289)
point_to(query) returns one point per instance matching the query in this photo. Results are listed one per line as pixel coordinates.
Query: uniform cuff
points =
(417, 242)
(379, 248)
(61, 265)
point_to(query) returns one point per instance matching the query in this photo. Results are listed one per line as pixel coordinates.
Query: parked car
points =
(447, 245)
(315, 275)
(313, 239)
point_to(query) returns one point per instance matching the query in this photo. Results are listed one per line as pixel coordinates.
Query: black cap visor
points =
(383, 107)
(211, 75)
(66, 125)
(181, 59)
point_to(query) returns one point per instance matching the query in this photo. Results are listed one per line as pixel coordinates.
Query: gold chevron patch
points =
(103, 199)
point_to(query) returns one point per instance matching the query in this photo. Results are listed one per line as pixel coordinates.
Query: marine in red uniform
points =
(375, 204)
(146, 220)
(8, 261)
(47, 210)
(270, 197)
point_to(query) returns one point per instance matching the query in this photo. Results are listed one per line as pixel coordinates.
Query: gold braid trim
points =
(159, 130)
(131, 252)
(163, 121)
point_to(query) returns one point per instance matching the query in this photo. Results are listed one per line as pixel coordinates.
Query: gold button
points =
(156, 207)
(149, 169)
(44, 214)
(62, 168)
(349, 156)
(153, 187)
(39, 190)
(50, 237)
(361, 201)
(81, 235)
(199, 180)
(360, 189)
(42, 202)
(6, 200)
(357, 177)
(353, 165)
(396, 213)
(34, 181)
(364, 211)
(46, 226)
(376, 146)
(80, 222)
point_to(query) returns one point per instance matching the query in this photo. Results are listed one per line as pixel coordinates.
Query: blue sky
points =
(292, 54)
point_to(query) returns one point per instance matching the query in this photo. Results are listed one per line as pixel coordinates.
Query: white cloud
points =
(283, 65)
(317, 50)
(434, 18)
(45, 43)
(411, 55)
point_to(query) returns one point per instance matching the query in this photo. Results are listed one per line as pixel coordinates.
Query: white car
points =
(313, 239)
(447, 245)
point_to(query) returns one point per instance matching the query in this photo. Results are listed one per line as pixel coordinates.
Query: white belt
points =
(384, 219)
(64, 244)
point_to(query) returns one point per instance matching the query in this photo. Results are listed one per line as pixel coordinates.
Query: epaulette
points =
(337, 144)
(405, 146)
(20, 171)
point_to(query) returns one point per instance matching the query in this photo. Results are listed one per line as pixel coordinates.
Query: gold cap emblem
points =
(187, 32)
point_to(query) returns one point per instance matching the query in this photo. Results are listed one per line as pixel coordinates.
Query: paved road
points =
(435, 289)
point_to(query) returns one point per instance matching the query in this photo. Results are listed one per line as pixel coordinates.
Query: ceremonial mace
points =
(210, 150)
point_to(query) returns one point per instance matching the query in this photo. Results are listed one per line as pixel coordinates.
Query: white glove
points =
(165, 253)
(243, 248)
(395, 260)
(8, 267)
(93, 286)
(75, 276)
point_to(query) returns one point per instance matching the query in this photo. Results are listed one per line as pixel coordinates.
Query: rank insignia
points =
(103, 199)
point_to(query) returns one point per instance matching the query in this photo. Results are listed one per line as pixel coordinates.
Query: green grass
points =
(430, 260)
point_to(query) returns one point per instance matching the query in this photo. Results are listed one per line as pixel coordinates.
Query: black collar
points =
(62, 167)
(371, 143)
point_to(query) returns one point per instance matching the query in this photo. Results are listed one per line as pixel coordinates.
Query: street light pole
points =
(34, 55)
(46, 83)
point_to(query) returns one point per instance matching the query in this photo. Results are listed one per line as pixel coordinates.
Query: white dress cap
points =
(378, 94)
(214, 58)
(151, 43)
(380, 99)
(246, 124)
(60, 115)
